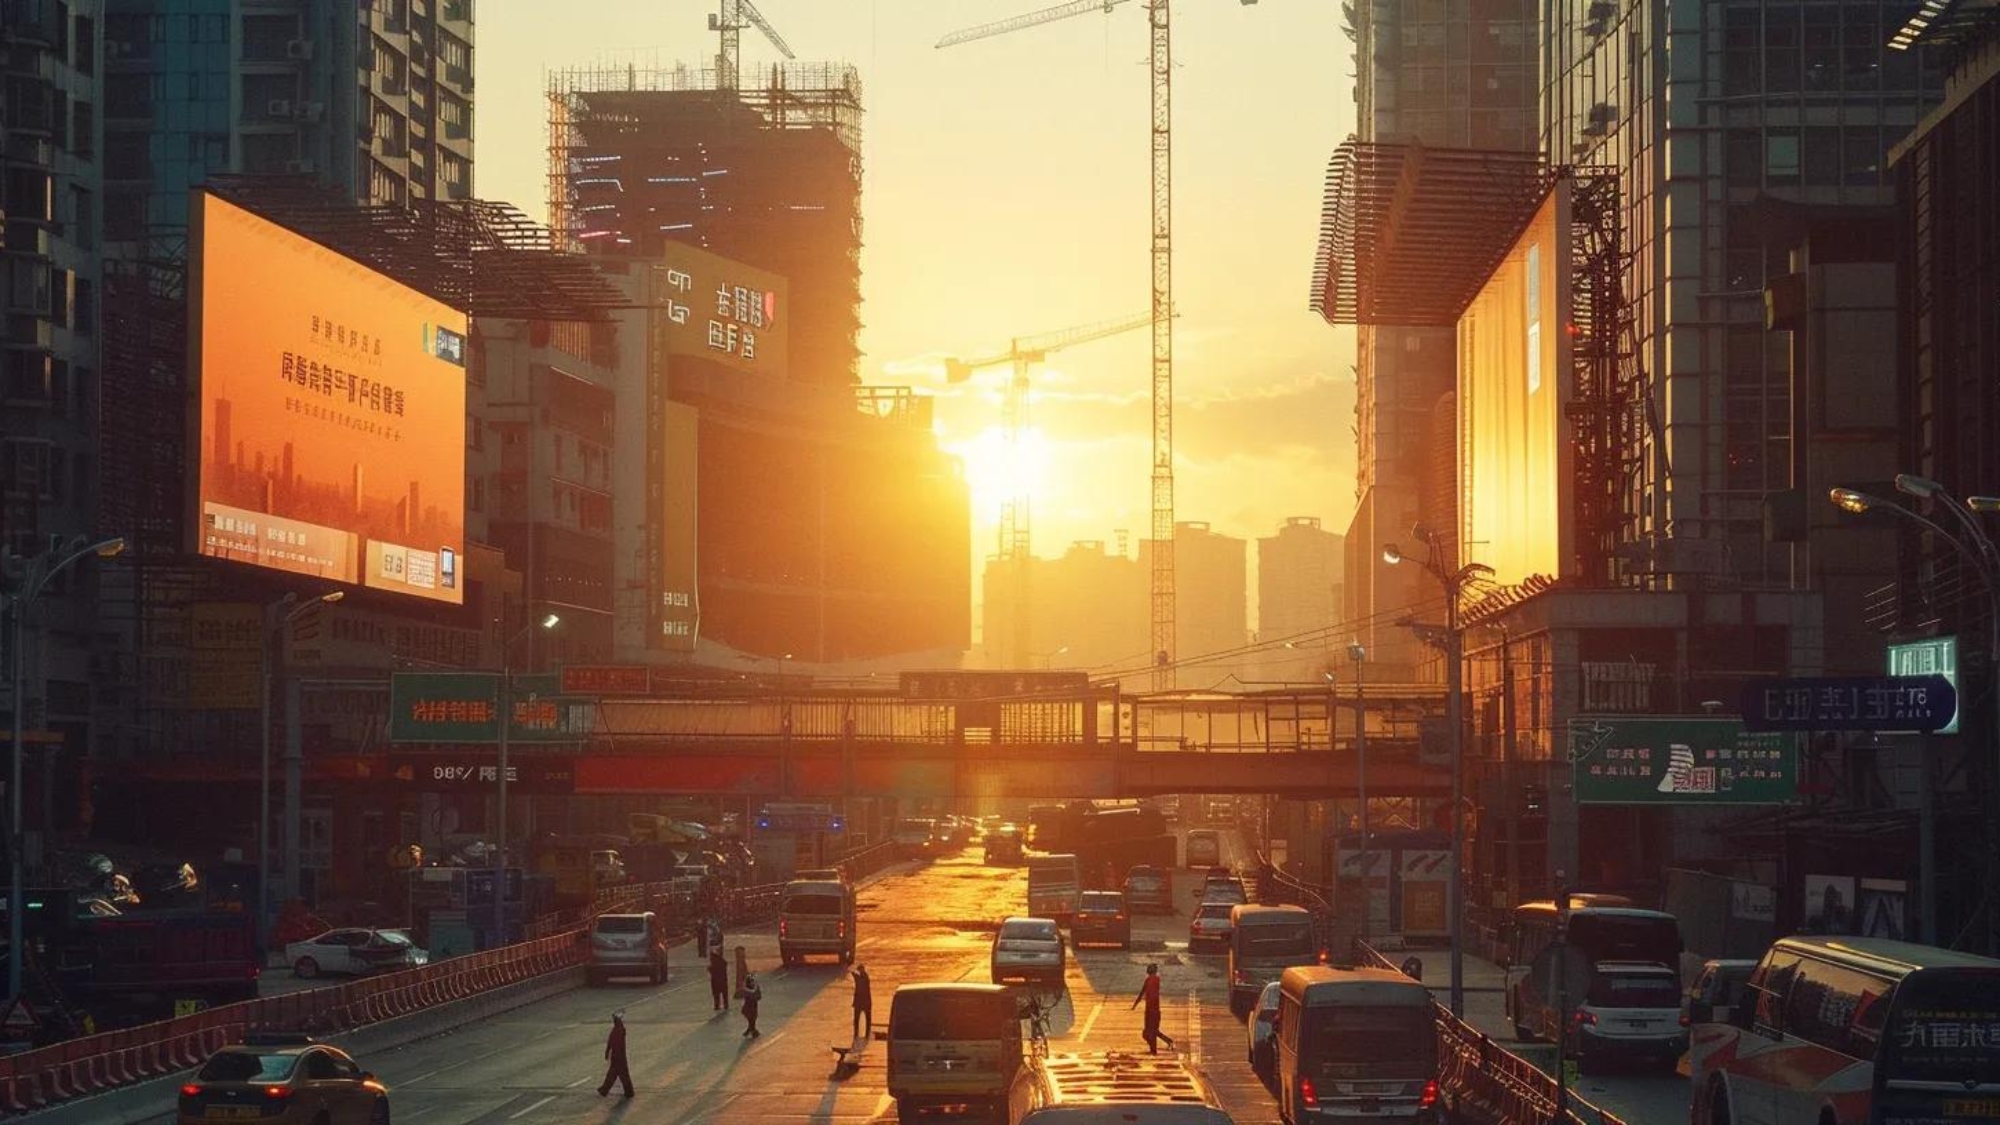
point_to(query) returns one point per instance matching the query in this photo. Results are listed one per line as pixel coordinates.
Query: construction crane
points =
(731, 17)
(1159, 19)
(1023, 352)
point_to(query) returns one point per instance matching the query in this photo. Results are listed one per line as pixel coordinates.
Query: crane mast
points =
(1160, 17)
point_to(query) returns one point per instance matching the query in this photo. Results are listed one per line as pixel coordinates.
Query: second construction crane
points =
(1159, 20)
(1023, 353)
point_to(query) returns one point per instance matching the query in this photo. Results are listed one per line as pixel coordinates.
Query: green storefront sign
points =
(463, 706)
(1673, 760)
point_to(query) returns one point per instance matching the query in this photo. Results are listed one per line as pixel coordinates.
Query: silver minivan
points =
(627, 945)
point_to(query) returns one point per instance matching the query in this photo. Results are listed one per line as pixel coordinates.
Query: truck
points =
(582, 867)
(136, 967)
(1054, 887)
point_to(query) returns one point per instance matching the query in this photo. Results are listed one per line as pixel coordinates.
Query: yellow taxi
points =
(283, 1080)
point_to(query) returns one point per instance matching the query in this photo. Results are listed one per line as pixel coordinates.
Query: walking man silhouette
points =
(1150, 993)
(616, 1068)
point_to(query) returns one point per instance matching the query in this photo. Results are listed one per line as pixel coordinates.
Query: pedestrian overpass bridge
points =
(1088, 743)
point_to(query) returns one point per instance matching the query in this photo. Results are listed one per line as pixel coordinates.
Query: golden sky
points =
(1006, 194)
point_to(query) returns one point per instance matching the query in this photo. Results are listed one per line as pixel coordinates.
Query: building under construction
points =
(768, 175)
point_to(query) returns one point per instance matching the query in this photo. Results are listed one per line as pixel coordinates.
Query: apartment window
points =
(124, 214)
(128, 95)
(59, 119)
(86, 306)
(265, 37)
(128, 156)
(1819, 160)
(1742, 59)
(85, 44)
(1862, 149)
(1781, 158)
(82, 219)
(476, 498)
(269, 153)
(83, 128)
(1743, 158)
(1822, 50)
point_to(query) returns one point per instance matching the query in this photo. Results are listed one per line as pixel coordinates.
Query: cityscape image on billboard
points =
(332, 412)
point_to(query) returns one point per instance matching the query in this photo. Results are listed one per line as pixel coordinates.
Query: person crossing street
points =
(718, 978)
(864, 1004)
(616, 1068)
(1149, 992)
(751, 996)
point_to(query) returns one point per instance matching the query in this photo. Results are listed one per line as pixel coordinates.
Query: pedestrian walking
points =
(1149, 992)
(864, 1004)
(742, 967)
(616, 1068)
(718, 978)
(750, 994)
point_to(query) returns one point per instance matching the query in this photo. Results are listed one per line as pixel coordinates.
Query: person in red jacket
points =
(1150, 993)
(614, 1051)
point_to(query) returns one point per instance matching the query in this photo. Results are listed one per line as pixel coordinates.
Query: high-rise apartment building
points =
(1298, 580)
(1448, 76)
(1089, 609)
(1725, 122)
(50, 287)
(1212, 617)
(373, 100)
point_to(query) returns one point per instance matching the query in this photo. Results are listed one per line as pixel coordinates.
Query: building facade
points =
(1450, 76)
(1212, 598)
(1299, 595)
(1090, 609)
(372, 100)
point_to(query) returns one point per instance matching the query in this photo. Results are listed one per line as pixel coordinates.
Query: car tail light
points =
(1307, 1094)
(191, 1090)
(1684, 1019)
(1585, 1019)
(782, 927)
(1240, 976)
(277, 1093)
(842, 931)
(1429, 1097)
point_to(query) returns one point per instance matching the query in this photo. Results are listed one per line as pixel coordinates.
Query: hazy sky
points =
(1006, 194)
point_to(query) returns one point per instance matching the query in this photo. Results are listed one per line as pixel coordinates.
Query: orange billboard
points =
(1513, 375)
(332, 427)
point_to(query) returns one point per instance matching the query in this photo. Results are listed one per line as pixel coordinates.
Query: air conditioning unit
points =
(278, 107)
(299, 167)
(299, 49)
(311, 111)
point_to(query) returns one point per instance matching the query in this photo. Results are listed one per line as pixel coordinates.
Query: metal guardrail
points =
(94, 1063)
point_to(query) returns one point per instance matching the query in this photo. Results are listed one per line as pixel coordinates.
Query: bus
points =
(1847, 1031)
(1355, 1043)
(1593, 931)
(1264, 941)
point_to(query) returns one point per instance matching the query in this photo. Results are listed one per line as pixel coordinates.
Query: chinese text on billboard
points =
(332, 412)
(717, 309)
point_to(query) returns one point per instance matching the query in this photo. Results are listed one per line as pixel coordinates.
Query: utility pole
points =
(1455, 712)
(1509, 781)
(1360, 656)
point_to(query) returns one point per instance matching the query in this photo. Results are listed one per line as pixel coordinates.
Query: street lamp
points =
(1977, 548)
(1455, 583)
(1359, 656)
(33, 581)
(274, 627)
(505, 721)
(1048, 658)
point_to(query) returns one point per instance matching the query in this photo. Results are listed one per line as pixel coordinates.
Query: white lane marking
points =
(526, 1110)
(1089, 1022)
(1193, 1032)
(578, 1082)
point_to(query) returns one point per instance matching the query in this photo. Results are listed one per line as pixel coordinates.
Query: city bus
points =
(1854, 1031)
(1593, 931)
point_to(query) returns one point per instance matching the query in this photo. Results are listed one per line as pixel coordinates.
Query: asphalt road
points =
(932, 922)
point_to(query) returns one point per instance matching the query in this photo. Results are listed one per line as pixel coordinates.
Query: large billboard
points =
(717, 309)
(1513, 370)
(332, 425)
(1680, 760)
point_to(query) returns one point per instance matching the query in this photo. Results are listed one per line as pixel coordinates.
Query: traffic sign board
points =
(1849, 703)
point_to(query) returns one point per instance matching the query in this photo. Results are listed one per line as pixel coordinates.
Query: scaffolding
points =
(768, 175)
(1607, 420)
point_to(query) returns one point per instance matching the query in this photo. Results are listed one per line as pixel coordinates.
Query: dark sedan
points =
(1101, 919)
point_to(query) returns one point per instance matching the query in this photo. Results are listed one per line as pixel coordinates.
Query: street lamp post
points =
(1978, 548)
(503, 721)
(274, 627)
(1359, 655)
(1455, 583)
(31, 586)
(1049, 658)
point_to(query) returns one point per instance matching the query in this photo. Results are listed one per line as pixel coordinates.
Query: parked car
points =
(1716, 990)
(1263, 1049)
(1102, 917)
(1029, 949)
(627, 945)
(1210, 925)
(354, 951)
(282, 1080)
(1227, 889)
(1150, 889)
(1632, 1009)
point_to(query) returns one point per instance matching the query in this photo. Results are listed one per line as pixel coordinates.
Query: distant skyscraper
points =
(1211, 618)
(1090, 609)
(1298, 582)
